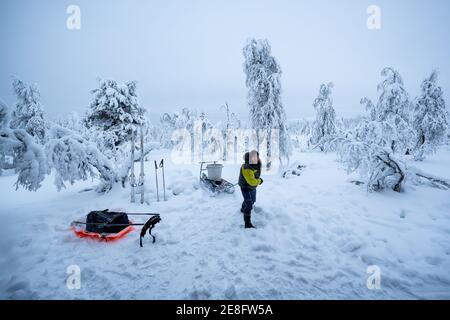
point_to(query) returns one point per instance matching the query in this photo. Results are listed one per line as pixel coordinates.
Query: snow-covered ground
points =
(316, 235)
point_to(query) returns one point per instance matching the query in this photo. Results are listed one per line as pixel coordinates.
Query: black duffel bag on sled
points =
(106, 222)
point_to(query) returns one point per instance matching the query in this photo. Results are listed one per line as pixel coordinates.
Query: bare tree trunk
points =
(391, 163)
(235, 149)
(269, 149)
(225, 145)
(192, 147)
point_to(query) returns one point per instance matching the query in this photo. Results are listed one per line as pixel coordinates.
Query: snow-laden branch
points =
(435, 181)
(75, 158)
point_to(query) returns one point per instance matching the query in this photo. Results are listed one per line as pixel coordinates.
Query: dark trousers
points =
(249, 195)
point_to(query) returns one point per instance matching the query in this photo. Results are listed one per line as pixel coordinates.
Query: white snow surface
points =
(316, 235)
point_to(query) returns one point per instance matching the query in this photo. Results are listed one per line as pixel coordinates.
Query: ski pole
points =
(142, 175)
(132, 176)
(156, 176)
(161, 165)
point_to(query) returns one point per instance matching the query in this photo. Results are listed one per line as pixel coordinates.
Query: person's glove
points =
(261, 181)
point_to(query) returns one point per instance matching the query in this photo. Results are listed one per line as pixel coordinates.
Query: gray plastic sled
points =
(216, 185)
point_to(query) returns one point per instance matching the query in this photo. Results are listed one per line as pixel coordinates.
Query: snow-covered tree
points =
(4, 124)
(29, 160)
(4, 115)
(369, 147)
(209, 137)
(231, 122)
(112, 115)
(264, 95)
(324, 125)
(370, 108)
(300, 132)
(430, 117)
(285, 143)
(169, 122)
(70, 156)
(74, 122)
(28, 113)
(394, 107)
(163, 132)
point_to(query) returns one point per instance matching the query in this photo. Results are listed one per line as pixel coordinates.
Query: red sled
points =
(81, 232)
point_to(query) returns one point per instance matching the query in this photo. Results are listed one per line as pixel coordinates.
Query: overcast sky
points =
(188, 53)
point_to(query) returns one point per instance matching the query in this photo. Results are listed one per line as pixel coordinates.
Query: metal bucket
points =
(214, 171)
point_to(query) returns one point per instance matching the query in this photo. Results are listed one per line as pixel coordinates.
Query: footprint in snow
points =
(434, 261)
(257, 209)
(263, 248)
(25, 242)
(403, 214)
(199, 294)
(230, 293)
(351, 247)
(19, 290)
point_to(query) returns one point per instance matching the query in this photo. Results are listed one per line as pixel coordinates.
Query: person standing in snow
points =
(249, 180)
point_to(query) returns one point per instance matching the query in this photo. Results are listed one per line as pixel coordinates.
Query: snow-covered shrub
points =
(264, 95)
(367, 148)
(370, 147)
(112, 115)
(28, 113)
(295, 170)
(430, 117)
(324, 125)
(362, 151)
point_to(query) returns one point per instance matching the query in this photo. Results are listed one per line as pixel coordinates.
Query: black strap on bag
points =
(149, 225)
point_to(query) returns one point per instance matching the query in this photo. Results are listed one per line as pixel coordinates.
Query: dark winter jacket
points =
(249, 176)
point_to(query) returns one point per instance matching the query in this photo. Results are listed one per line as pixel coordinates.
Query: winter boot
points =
(248, 223)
